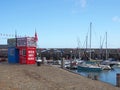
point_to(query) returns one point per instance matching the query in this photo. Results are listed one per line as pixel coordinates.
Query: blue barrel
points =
(13, 55)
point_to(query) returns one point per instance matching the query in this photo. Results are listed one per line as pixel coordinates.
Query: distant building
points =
(3, 50)
(3, 46)
(56, 52)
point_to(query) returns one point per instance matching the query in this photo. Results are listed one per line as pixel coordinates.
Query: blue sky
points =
(62, 23)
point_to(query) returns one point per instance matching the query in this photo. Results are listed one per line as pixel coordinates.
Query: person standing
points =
(39, 61)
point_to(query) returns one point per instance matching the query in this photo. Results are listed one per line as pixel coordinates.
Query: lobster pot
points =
(27, 55)
(13, 55)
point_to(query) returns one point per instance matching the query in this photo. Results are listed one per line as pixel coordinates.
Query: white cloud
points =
(83, 3)
(80, 3)
(77, 5)
(116, 19)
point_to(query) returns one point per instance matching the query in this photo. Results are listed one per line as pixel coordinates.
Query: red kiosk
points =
(27, 50)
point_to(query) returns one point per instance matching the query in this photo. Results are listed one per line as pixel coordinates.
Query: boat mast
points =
(86, 42)
(78, 41)
(90, 37)
(106, 47)
(100, 48)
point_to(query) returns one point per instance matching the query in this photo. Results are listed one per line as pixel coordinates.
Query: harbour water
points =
(108, 76)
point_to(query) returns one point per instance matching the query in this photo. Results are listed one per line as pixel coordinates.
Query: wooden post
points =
(95, 77)
(118, 79)
(70, 59)
(62, 63)
(89, 76)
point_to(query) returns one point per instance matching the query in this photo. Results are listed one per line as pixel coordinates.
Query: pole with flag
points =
(36, 37)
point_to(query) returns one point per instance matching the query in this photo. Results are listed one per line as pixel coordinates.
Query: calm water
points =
(108, 76)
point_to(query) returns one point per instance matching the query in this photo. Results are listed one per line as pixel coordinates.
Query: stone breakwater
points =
(45, 77)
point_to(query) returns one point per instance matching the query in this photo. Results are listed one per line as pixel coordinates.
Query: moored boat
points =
(89, 67)
(105, 67)
(111, 63)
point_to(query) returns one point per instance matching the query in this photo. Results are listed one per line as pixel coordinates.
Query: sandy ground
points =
(45, 77)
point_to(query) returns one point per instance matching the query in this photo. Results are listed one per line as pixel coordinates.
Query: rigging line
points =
(78, 42)
(83, 44)
(103, 41)
(86, 40)
(95, 35)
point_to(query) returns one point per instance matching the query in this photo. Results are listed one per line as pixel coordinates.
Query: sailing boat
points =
(111, 62)
(84, 66)
(104, 66)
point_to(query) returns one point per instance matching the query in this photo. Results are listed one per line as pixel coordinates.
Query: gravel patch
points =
(45, 77)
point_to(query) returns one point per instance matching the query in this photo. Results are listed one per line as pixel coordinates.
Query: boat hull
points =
(89, 69)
